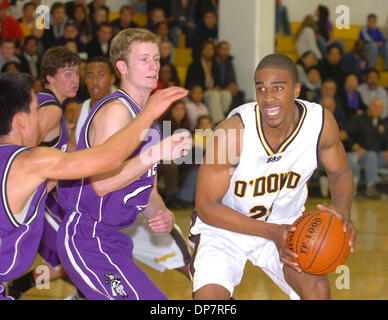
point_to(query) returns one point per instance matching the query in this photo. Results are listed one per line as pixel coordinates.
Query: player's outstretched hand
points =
(348, 224)
(285, 255)
(175, 146)
(159, 102)
(163, 221)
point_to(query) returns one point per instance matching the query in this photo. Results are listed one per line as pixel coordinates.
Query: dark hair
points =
(322, 21)
(105, 60)
(279, 61)
(9, 63)
(30, 37)
(56, 58)
(371, 70)
(334, 46)
(57, 5)
(313, 68)
(372, 15)
(104, 24)
(15, 96)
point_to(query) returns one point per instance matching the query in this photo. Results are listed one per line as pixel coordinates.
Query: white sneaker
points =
(74, 296)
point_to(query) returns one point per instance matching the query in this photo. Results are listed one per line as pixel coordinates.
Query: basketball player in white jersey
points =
(159, 251)
(252, 186)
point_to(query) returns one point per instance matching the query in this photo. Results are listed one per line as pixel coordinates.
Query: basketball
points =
(319, 241)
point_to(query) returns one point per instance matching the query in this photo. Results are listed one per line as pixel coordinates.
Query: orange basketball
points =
(319, 241)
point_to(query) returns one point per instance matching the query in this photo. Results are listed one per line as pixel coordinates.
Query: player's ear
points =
(297, 89)
(20, 121)
(121, 66)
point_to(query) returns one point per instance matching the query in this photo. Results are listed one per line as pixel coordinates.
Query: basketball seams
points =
(322, 241)
(300, 232)
(338, 257)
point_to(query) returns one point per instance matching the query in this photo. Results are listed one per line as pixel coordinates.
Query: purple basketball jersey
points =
(19, 240)
(95, 254)
(54, 213)
(47, 98)
(119, 208)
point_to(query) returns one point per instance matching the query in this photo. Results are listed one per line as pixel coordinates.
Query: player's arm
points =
(160, 218)
(49, 163)
(49, 122)
(333, 157)
(111, 119)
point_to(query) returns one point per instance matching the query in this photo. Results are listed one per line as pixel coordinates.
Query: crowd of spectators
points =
(347, 84)
(344, 82)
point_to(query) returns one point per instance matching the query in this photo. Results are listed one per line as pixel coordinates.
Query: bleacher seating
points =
(286, 45)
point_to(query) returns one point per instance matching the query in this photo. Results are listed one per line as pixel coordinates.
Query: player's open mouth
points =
(271, 112)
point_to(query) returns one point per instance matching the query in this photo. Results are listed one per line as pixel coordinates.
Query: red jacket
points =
(10, 28)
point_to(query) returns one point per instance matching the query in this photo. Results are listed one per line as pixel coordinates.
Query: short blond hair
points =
(122, 43)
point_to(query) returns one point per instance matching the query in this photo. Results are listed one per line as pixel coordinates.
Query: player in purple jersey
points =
(95, 254)
(60, 71)
(25, 169)
(160, 251)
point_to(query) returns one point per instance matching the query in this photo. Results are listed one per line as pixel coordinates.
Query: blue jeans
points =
(281, 19)
(370, 161)
(372, 52)
(187, 190)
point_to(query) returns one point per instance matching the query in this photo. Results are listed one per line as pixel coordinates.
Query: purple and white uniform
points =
(53, 213)
(20, 234)
(95, 254)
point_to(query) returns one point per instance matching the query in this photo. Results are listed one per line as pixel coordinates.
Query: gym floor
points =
(366, 275)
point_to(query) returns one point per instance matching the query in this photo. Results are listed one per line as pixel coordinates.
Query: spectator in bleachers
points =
(125, 20)
(312, 86)
(167, 76)
(329, 89)
(162, 30)
(27, 21)
(11, 66)
(368, 136)
(95, 5)
(58, 20)
(281, 19)
(307, 60)
(203, 6)
(207, 29)
(194, 105)
(162, 4)
(186, 194)
(70, 7)
(205, 72)
(100, 43)
(166, 52)
(325, 31)
(176, 116)
(371, 90)
(99, 17)
(182, 19)
(9, 26)
(7, 52)
(29, 59)
(155, 16)
(350, 97)
(329, 66)
(71, 32)
(355, 61)
(228, 79)
(376, 43)
(305, 38)
(81, 16)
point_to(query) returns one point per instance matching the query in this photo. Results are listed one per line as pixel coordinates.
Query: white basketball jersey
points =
(268, 185)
